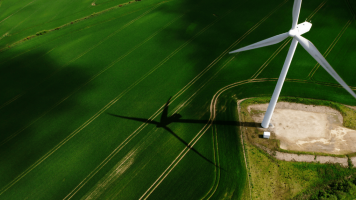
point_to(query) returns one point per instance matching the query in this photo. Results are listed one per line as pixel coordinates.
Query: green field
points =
(68, 68)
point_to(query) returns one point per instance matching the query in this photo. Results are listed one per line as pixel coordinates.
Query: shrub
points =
(41, 32)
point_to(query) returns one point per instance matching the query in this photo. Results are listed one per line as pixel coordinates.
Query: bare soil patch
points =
(309, 128)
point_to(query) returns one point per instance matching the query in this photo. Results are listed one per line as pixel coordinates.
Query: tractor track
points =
(76, 58)
(332, 45)
(87, 82)
(28, 170)
(192, 142)
(158, 112)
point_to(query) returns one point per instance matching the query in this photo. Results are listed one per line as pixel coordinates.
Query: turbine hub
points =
(300, 29)
(293, 32)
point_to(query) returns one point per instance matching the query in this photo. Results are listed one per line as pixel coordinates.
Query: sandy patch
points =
(310, 128)
(111, 177)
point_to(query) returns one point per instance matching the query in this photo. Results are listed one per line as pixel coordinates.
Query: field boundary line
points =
(81, 86)
(332, 45)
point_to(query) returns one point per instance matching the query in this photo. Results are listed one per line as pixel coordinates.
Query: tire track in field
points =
(353, 13)
(17, 11)
(43, 43)
(112, 102)
(152, 188)
(122, 145)
(208, 125)
(269, 60)
(316, 10)
(175, 162)
(81, 86)
(157, 113)
(147, 193)
(194, 140)
(332, 45)
(79, 56)
(21, 22)
(231, 47)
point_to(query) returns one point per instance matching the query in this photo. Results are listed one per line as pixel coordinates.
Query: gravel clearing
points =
(309, 128)
(311, 158)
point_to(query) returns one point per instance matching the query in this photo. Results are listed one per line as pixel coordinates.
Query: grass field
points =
(63, 83)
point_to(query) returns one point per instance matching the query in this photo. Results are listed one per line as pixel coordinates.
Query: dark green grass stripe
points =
(74, 59)
(71, 32)
(269, 60)
(96, 170)
(99, 112)
(99, 167)
(81, 86)
(17, 11)
(332, 45)
(71, 22)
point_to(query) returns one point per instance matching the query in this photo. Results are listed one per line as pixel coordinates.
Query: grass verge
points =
(276, 179)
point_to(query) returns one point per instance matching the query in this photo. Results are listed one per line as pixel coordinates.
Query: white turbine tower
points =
(295, 32)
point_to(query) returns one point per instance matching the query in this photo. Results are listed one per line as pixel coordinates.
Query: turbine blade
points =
(296, 11)
(313, 51)
(267, 42)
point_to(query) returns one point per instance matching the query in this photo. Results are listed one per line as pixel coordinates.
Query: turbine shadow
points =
(165, 120)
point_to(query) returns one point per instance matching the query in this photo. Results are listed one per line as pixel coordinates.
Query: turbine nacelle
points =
(300, 29)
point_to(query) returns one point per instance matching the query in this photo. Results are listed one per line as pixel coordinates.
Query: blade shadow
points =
(175, 118)
(164, 121)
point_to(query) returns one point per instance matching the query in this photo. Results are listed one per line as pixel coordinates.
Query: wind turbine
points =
(296, 32)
